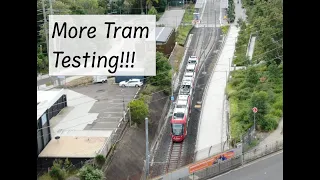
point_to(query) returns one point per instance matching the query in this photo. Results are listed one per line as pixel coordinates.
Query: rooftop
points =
(73, 147)
(45, 99)
(163, 34)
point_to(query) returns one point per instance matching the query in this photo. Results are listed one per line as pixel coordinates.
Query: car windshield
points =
(192, 61)
(177, 129)
(178, 115)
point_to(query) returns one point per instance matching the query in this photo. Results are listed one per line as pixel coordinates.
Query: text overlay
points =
(120, 45)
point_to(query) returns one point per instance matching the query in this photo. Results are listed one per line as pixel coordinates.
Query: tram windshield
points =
(177, 129)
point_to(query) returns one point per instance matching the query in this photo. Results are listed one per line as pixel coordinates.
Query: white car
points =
(131, 83)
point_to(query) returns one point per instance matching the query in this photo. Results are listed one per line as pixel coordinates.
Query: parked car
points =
(131, 83)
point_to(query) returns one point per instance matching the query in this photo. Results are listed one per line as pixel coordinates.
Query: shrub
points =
(57, 173)
(87, 172)
(276, 112)
(99, 160)
(278, 104)
(269, 123)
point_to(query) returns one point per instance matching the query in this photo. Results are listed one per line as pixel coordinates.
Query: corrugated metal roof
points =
(224, 4)
(163, 34)
(199, 4)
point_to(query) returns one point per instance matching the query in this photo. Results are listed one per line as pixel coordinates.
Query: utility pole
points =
(50, 3)
(215, 23)
(147, 149)
(45, 25)
(141, 9)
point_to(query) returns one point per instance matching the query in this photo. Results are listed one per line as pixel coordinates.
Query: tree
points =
(152, 11)
(163, 72)
(100, 160)
(87, 172)
(138, 110)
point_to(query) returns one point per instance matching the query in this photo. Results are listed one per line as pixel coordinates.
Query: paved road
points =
(270, 168)
(210, 14)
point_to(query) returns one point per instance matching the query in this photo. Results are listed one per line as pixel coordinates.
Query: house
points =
(49, 104)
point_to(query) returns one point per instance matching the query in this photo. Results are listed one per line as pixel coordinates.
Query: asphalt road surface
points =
(270, 168)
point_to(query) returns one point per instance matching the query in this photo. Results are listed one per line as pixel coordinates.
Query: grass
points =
(183, 30)
(49, 83)
(177, 56)
(225, 29)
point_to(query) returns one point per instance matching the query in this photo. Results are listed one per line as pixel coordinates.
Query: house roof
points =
(163, 34)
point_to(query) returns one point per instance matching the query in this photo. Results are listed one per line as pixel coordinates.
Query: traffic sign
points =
(255, 110)
(172, 98)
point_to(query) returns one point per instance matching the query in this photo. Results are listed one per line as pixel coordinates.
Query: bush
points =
(278, 104)
(138, 110)
(244, 94)
(269, 123)
(225, 29)
(276, 112)
(99, 160)
(87, 172)
(57, 173)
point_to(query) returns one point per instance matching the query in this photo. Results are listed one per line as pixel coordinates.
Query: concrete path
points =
(212, 124)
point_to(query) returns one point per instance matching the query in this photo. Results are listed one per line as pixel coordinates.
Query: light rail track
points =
(174, 156)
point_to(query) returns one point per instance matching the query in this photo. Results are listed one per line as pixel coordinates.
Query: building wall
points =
(167, 47)
(43, 132)
(118, 79)
(43, 123)
(57, 106)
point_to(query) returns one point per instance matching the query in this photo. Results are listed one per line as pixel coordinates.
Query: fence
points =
(247, 139)
(222, 166)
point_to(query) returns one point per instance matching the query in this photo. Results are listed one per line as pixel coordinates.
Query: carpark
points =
(112, 101)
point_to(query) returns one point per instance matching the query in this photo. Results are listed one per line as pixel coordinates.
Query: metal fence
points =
(247, 139)
(221, 167)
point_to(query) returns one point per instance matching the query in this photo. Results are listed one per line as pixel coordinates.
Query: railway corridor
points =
(205, 43)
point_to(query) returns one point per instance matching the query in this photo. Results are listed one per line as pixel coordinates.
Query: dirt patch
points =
(83, 81)
(176, 57)
(128, 160)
